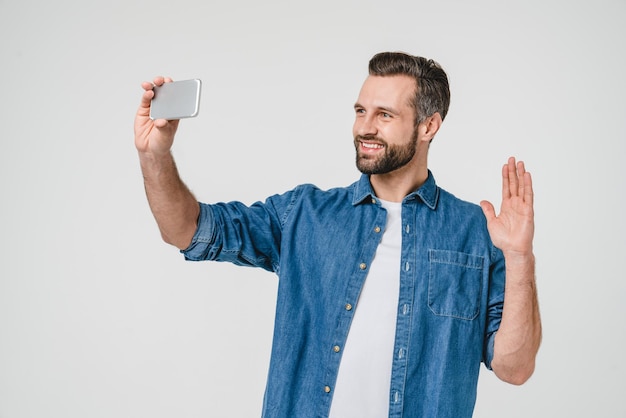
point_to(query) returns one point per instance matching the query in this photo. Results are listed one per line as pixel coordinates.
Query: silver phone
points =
(176, 100)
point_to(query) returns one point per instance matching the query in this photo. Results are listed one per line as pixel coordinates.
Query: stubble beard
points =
(393, 157)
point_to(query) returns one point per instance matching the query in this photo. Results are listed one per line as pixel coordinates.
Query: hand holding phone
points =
(176, 100)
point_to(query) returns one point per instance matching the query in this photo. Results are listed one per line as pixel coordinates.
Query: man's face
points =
(385, 136)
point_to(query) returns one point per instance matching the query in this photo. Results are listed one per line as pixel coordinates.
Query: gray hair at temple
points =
(433, 91)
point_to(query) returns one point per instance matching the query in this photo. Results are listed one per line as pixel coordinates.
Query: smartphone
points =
(176, 100)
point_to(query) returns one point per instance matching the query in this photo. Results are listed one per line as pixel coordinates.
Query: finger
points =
(488, 210)
(505, 182)
(513, 180)
(158, 80)
(148, 95)
(520, 170)
(529, 195)
(146, 85)
(160, 123)
(146, 98)
(166, 124)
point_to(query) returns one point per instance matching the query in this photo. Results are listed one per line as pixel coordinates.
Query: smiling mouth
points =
(370, 148)
(370, 145)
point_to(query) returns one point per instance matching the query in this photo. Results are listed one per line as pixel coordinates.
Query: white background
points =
(99, 318)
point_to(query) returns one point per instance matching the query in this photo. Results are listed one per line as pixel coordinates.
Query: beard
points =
(393, 157)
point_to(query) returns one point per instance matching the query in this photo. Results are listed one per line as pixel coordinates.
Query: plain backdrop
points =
(100, 318)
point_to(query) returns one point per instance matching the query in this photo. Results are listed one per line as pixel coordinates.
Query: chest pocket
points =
(454, 283)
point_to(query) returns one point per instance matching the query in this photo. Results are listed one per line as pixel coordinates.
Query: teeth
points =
(372, 146)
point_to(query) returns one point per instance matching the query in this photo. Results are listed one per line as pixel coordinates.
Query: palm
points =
(512, 230)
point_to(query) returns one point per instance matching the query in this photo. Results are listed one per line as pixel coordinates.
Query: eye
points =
(359, 110)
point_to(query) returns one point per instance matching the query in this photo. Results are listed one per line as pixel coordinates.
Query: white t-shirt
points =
(364, 379)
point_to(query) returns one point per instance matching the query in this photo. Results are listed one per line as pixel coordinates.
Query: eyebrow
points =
(383, 108)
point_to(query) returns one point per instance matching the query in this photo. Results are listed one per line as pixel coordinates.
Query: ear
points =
(429, 127)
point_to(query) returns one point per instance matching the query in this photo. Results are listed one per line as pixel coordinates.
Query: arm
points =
(173, 206)
(518, 338)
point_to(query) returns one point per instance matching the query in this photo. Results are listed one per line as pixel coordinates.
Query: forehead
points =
(384, 91)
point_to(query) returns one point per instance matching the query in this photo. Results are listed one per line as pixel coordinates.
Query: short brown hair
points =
(433, 91)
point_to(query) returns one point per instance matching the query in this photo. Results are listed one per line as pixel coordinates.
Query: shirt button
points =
(327, 389)
(405, 309)
(336, 349)
(373, 200)
(377, 229)
(348, 307)
(362, 266)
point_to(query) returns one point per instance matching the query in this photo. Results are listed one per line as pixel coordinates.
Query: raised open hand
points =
(513, 229)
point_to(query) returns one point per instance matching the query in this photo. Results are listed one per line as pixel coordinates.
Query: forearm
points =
(174, 207)
(519, 336)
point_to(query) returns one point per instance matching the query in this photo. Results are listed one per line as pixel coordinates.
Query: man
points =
(391, 290)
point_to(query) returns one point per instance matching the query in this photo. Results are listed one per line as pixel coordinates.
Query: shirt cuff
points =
(203, 238)
(488, 351)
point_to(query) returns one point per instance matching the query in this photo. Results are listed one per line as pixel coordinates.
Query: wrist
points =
(152, 162)
(152, 156)
(519, 257)
(520, 265)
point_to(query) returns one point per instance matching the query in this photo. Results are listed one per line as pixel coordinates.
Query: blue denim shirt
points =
(321, 244)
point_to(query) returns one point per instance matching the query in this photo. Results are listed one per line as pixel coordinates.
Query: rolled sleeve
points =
(495, 305)
(488, 348)
(200, 247)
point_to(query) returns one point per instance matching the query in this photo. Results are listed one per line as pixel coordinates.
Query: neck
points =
(396, 185)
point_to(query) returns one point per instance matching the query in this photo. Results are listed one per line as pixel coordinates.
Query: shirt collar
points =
(427, 193)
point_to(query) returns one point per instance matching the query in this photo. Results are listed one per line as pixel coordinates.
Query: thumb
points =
(160, 123)
(488, 210)
(166, 129)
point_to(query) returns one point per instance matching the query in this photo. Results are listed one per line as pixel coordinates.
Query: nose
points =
(364, 125)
